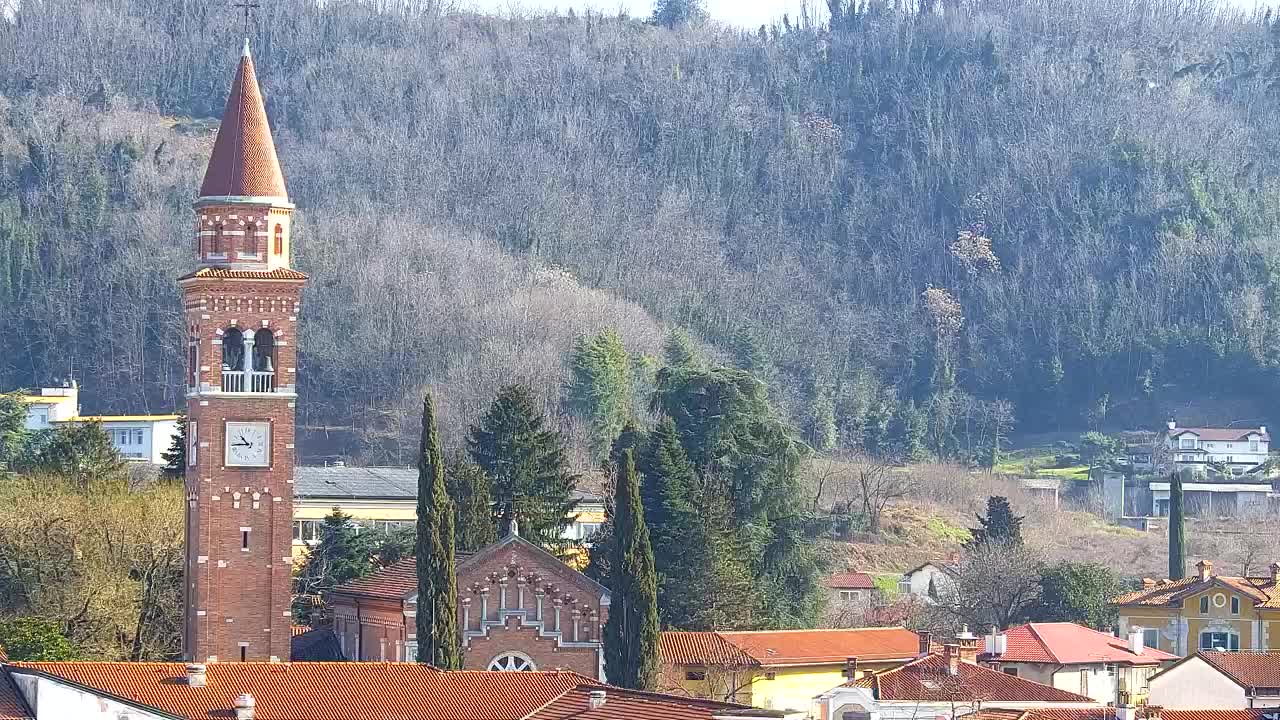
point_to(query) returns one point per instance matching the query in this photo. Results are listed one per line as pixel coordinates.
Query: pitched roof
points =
(1220, 434)
(635, 705)
(851, 581)
(1248, 669)
(222, 273)
(701, 648)
(12, 705)
(371, 482)
(1068, 644)
(773, 648)
(397, 581)
(243, 162)
(321, 691)
(1170, 593)
(927, 680)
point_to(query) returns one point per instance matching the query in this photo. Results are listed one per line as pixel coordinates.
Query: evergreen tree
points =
(343, 554)
(526, 464)
(680, 351)
(822, 424)
(631, 633)
(32, 639)
(469, 494)
(175, 458)
(437, 624)
(599, 389)
(1000, 524)
(13, 429)
(1177, 529)
(81, 451)
(600, 555)
(913, 429)
(675, 13)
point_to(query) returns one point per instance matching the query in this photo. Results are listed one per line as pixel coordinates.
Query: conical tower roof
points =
(244, 163)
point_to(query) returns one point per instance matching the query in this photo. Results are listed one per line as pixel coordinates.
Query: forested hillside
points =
(922, 227)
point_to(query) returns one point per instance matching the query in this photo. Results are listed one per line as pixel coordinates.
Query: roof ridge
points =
(1043, 644)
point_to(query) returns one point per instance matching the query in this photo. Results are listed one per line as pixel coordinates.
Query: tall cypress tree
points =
(437, 618)
(631, 633)
(526, 464)
(1177, 530)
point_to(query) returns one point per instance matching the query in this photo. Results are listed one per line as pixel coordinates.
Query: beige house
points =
(1212, 680)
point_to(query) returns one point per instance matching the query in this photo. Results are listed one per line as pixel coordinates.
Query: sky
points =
(745, 13)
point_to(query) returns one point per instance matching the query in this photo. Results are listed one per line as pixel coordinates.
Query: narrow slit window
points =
(279, 240)
(244, 653)
(244, 539)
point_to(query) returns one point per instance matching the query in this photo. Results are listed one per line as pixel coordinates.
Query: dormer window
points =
(1253, 443)
(1187, 443)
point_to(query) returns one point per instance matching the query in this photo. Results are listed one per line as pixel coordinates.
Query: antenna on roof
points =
(247, 6)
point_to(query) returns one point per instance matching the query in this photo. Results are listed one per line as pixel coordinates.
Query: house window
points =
(244, 539)
(587, 530)
(1187, 444)
(1253, 445)
(193, 443)
(216, 247)
(850, 596)
(696, 675)
(1151, 638)
(1235, 605)
(411, 651)
(1230, 459)
(1204, 605)
(1219, 641)
(1187, 458)
(388, 527)
(307, 531)
(904, 587)
(1010, 670)
(137, 437)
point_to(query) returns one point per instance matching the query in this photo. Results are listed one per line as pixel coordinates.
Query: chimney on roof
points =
(926, 643)
(951, 653)
(851, 668)
(967, 643)
(1275, 573)
(1148, 583)
(1262, 429)
(1205, 570)
(245, 706)
(1136, 644)
(195, 674)
(598, 698)
(997, 643)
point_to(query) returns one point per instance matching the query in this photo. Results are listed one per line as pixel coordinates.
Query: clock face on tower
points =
(248, 444)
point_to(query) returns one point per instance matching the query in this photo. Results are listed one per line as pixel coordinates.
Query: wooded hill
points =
(898, 217)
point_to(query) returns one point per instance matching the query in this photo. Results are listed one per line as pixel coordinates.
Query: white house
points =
(1077, 659)
(944, 685)
(140, 438)
(927, 582)
(1240, 449)
(1213, 679)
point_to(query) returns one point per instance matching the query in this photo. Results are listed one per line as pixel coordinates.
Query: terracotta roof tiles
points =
(701, 648)
(1171, 593)
(223, 273)
(243, 162)
(1249, 669)
(1109, 713)
(851, 581)
(12, 706)
(634, 705)
(1068, 643)
(806, 647)
(927, 680)
(394, 582)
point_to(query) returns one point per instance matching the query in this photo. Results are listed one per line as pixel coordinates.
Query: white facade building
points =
(1241, 449)
(50, 406)
(141, 438)
(1211, 680)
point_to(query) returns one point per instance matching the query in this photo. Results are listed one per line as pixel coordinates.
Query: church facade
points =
(241, 306)
(519, 608)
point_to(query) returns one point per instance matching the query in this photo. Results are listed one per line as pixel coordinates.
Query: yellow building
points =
(1205, 612)
(778, 669)
(385, 499)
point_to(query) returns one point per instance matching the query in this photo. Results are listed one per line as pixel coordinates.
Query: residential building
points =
(519, 608)
(1077, 659)
(776, 669)
(325, 691)
(927, 581)
(1204, 611)
(1211, 679)
(142, 438)
(386, 498)
(851, 592)
(1239, 449)
(947, 685)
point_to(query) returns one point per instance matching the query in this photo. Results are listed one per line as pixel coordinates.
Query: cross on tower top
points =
(247, 7)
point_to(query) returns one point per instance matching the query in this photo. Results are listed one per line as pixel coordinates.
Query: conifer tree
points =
(343, 554)
(175, 458)
(999, 525)
(680, 351)
(437, 624)
(469, 494)
(1177, 529)
(631, 633)
(599, 388)
(526, 465)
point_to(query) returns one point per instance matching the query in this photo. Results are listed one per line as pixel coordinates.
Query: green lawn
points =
(1040, 461)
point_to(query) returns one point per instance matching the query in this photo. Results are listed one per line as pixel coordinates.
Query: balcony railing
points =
(239, 381)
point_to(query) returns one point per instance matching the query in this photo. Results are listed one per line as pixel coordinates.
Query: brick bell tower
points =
(241, 306)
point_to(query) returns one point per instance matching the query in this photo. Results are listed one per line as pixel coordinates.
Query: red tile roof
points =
(1170, 593)
(851, 581)
(633, 705)
(222, 273)
(1109, 713)
(1069, 644)
(808, 647)
(701, 648)
(322, 691)
(397, 581)
(1247, 669)
(243, 162)
(927, 680)
(12, 706)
